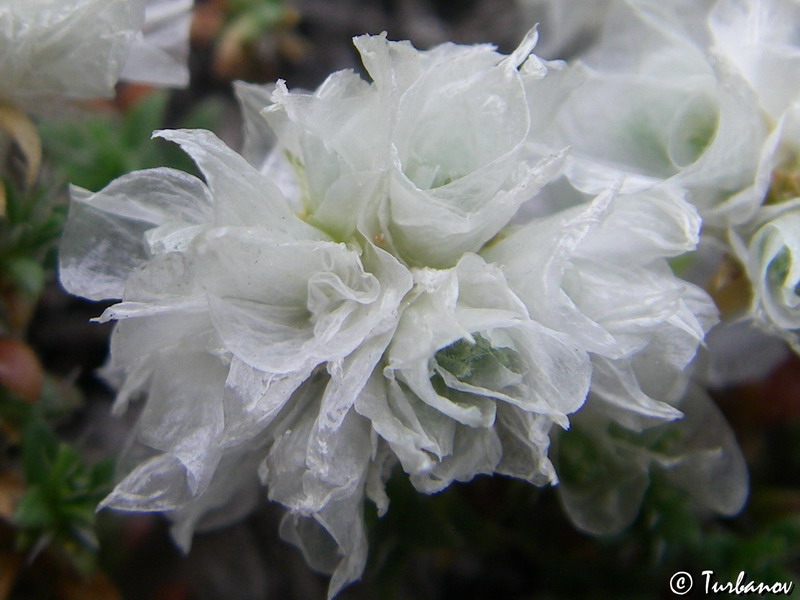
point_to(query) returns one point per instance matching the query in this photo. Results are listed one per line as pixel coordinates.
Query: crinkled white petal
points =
(182, 422)
(525, 440)
(242, 196)
(417, 434)
(436, 227)
(678, 115)
(346, 384)
(709, 464)
(326, 521)
(473, 299)
(446, 162)
(616, 386)
(103, 240)
(253, 398)
(475, 451)
(759, 37)
(334, 116)
(231, 495)
(604, 470)
(620, 302)
(534, 260)
(288, 306)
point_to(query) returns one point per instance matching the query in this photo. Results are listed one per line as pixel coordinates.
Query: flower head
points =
(360, 299)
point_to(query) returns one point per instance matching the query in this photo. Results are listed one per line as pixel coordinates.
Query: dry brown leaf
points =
(20, 369)
(23, 132)
(11, 490)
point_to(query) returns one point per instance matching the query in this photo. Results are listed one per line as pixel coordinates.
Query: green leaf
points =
(101, 475)
(34, 510)
(39, 448)
(145, 117)
(92, 153)
(66, 465)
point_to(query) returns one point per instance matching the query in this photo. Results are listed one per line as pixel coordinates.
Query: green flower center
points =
(463, 359)
(778, 271)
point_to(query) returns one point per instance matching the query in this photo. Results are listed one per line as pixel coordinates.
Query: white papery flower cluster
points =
(701, 97)
(396, 275)
(53, 50)
(706, 97)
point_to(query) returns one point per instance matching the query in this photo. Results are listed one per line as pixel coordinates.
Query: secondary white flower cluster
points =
(71, 49)
(705, 98)
(701, 97)
(396, 275)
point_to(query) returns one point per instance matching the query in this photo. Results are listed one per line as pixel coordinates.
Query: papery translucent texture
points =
(75, 48)
(223, 284)
(465, 346)
(621, 301)
(761, 39)
(445, 164)
(605, 470)
(54, 49)
(351, 295)
(568, 27)
(677, 116)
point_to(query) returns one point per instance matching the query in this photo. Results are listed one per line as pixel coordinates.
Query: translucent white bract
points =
(678, 116)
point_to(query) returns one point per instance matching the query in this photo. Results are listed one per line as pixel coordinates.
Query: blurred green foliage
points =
(252, 18)
(498, 537)
(92, 152)
(61, 491)
(28, 234)
(48, 491)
